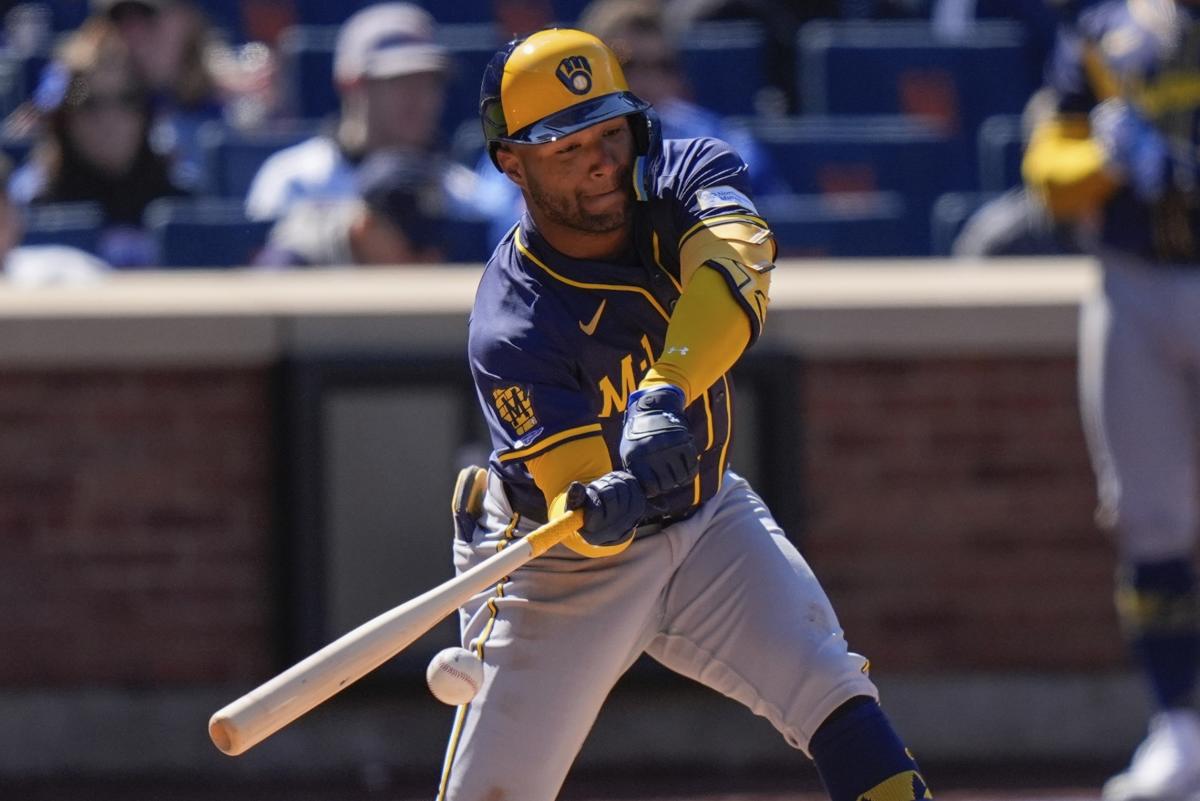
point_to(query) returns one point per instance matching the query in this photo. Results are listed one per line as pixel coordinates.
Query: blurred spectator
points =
(634, 30)
(397, 219)
(390, 75)
(94, 144)
(173, 45)
(781, 21)
(33, 265)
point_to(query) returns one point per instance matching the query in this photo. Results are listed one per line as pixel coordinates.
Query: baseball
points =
(454, 676)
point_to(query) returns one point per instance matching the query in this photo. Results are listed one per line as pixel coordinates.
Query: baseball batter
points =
(601, 338)
(1120, 158)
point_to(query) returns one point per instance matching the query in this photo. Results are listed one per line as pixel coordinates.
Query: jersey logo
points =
(515, 408)
(590, 328)
(715, 197)
(575, 73)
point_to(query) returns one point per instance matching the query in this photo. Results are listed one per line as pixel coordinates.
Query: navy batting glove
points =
(612, 505)
(656, 444)
(1132, 146)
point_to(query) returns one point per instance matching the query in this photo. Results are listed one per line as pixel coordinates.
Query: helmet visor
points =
(578, 117)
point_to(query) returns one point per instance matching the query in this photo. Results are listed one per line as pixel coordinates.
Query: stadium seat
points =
(74, 224)
(869, 224)
(1000, 149)
(306, 66)
(724, 64)
(854, 67)
(232, 158)
(889, 153)
(204, 232)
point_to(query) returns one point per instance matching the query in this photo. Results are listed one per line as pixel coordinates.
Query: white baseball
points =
(454, 676)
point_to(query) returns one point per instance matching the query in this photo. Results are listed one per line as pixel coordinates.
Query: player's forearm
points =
(708, 333)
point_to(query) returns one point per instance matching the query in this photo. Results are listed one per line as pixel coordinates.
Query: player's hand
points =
(1132, 146)
(656, 444)
(612, 505)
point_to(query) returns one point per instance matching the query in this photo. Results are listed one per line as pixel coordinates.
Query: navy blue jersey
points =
(1147, 52)
(558, 344)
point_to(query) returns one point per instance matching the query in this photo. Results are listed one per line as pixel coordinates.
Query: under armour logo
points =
(575, 73)
(681, 351)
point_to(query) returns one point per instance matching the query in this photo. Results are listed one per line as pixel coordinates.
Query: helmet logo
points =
(575, 73)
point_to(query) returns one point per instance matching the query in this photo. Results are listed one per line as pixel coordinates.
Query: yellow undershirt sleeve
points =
(725, 271)
(707, 334)
(1066, 168)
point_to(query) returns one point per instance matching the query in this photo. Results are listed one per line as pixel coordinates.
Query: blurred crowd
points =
(305, 134)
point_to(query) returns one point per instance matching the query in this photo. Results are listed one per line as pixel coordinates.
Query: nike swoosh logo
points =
(590, 328)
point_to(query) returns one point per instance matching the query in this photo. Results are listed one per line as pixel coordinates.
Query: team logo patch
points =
(906, 786)
(515, 408)
(714, 197)
(575, 73)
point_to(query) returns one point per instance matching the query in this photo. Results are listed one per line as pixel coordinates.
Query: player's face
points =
(582, 181)
(404, 111)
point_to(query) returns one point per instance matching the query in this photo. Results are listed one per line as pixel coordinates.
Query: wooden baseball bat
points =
(268, 708)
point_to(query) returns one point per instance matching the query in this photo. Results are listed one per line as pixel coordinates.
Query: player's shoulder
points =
(687, 162)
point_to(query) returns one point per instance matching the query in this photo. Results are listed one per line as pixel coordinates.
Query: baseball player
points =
(1119, 159)
(602, 333)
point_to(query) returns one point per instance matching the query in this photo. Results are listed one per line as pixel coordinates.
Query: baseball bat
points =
(258, 714)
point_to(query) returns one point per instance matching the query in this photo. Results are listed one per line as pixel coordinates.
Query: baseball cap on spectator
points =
(385, 41)
(404, 189)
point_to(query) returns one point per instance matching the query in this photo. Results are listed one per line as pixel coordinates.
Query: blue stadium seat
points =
(889, 153)
(74, 224)
(1000, 149)
(862, 225)
(306, 65)
(725, 66)
(204, 232)
(232, 158)
(950, 212)
(853, 67)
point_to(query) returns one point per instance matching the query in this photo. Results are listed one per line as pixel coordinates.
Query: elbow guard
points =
(742, 251)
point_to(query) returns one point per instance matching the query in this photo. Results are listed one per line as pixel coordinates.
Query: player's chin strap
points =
(648, 164)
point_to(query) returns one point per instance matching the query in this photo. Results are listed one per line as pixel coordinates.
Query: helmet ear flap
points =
(647, 137)
(491, 110)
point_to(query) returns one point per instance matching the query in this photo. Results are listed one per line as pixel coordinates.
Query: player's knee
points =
(861, 758)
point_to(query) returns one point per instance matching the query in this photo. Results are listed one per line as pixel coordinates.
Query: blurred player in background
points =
(602, 333)
(1119, 161)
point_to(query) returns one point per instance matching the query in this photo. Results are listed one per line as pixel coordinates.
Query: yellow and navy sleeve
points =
(1063, 165)
(726, 254)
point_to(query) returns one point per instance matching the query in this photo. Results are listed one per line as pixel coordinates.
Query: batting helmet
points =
(556, 82)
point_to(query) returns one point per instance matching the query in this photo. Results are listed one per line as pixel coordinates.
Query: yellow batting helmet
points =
(556, 82)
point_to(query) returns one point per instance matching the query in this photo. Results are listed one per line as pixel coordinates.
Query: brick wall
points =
(134, 526)
(950, 514)
(949, 517)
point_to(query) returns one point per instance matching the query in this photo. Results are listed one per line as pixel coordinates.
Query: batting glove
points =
(612, 506)
(656, 443)
(1132, 146)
